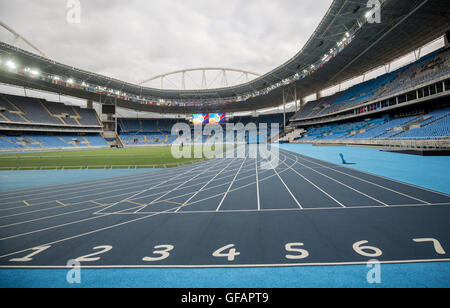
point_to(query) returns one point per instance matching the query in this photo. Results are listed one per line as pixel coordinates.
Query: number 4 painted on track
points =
(231, 255)
(437, 245)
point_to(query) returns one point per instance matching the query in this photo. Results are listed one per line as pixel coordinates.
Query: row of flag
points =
(237, 99)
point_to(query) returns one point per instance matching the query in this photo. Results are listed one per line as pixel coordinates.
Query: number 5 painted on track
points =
(437, 246)
(295, 247)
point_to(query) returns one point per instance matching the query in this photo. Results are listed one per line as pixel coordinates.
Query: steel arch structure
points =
(26, 41)
(406, 26)
(222, 73)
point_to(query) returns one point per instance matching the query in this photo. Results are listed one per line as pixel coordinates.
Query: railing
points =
(349, 112)
(392, 144)
(61, 162)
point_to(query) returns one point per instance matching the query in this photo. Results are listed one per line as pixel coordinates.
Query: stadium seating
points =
(141, 132)
(426, 69)
(27, 122)
(43, 142)
(147, 125)
(433, 125)
(160, 138)
(27, 110)
(429, 67)
(436, 127)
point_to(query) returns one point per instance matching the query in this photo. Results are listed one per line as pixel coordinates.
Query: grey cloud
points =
(133, 40)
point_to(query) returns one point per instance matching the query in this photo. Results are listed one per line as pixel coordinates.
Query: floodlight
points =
(33, 72)
(10, 64)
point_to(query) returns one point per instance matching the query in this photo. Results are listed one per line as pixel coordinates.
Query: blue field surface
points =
(429, 172)
(11, 180)
(432, 172)
(422, 275)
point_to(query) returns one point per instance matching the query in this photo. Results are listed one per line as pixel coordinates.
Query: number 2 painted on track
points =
(295, 251)
(88, 258)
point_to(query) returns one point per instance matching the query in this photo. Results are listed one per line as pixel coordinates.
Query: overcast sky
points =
(135, 39)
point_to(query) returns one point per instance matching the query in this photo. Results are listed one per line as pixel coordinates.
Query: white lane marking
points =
(150, 188)
(52, 216)
(103, 182)
(57, 226)
(257, 184)
(204, 186)
(349, 187)
(106, 228)
(221, 194)
(369, 182)
(114, 196)
(225, 265)
(327, 194)
(132, 184)
(292, 209)
(84, 234)
(91, 232)
(174, 189)
(59, 207)
(99, 182)
(285, 185)
(231, 184)
(95, 196)
(379, 176)
(100, 215)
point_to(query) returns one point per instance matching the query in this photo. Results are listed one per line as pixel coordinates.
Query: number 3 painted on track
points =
(163, 250)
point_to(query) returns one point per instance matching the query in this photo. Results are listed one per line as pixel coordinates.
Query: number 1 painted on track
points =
(29, 257)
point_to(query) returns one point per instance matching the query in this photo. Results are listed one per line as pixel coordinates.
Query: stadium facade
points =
(348, 42)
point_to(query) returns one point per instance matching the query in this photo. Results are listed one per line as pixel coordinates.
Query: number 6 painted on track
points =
(360, 250)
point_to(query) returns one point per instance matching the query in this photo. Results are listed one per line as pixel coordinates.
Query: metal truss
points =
(205, 83)
(18, 36)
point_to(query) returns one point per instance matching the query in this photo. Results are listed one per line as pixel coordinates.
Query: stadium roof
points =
(405, 26)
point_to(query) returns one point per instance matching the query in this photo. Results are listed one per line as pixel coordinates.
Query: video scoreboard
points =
(207, 118)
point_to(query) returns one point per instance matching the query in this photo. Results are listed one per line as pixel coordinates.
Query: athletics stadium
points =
(330, 170)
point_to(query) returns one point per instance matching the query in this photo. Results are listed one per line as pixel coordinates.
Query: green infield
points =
(157, 157)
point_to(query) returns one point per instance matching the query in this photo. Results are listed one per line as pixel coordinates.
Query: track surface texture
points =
(226, 213)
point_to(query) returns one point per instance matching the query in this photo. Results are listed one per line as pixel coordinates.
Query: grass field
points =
(158, 157)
